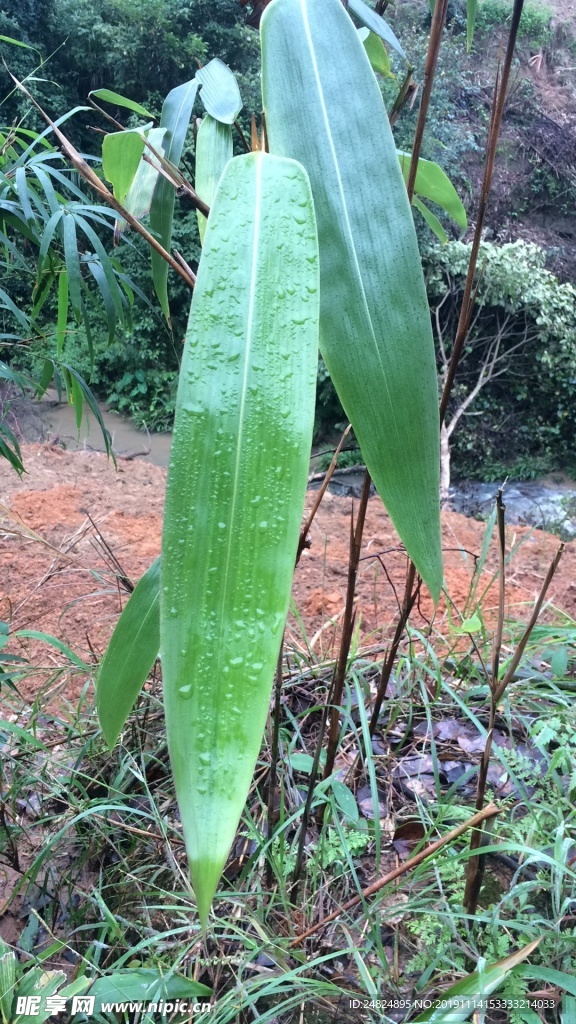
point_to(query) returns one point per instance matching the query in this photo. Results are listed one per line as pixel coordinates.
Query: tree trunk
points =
(444, 464)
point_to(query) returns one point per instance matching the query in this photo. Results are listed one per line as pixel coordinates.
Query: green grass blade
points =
(130, 655)
(467, 995)
(176, 114)
(213, 151)
(324, 108)
(235, 493)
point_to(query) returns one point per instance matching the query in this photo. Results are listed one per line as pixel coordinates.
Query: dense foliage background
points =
(522, 421)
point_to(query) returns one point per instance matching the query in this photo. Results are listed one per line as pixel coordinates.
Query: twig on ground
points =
(489, 812)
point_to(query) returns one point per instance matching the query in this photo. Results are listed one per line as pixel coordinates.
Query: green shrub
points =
(523, 421)
(534, 24)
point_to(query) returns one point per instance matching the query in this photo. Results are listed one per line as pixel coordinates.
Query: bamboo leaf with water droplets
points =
(236, 486)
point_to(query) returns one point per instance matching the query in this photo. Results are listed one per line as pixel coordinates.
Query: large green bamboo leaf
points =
(130, 655)
(376, 51)
(324, 109)
(176, 114)
(219, 91)
(139, 196)
(236, 487)
(213, 151)
(121, 155)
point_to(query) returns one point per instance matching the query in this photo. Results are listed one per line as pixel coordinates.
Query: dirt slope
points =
(64, 596)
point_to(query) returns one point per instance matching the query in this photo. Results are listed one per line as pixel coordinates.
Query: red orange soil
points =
(63, 595)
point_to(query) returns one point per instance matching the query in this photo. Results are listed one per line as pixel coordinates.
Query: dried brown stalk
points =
(434, 44)
(347, 625)
(475, 866)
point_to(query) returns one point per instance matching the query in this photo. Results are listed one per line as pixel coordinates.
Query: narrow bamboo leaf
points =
(219, 91)
(45, 377)
(42, 291)
(99, 276)
(45, 182)
(121, 155)
(139, 197)
(47, 638)
(15, 42)
(434, 184)
(70, 375)
(9, 304)
(377, 53)
(235, 492)
(567, 982)
(23, 195)
(72, 264)
(12, 454)
(106, 264)
(431, 220)
(77, 401)
(119, 101)
(375, 23)
(466, 995)
(471, 7)
(213, 151)
(47, 237)
(324, 108)
(130, 655)
(176, 114)
(62, 311)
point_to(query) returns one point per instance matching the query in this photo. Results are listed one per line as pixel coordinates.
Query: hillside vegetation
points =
(143, 50)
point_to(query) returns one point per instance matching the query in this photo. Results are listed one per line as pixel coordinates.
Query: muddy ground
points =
(53, 574)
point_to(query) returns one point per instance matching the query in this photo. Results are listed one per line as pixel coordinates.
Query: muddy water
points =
(57, 422)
